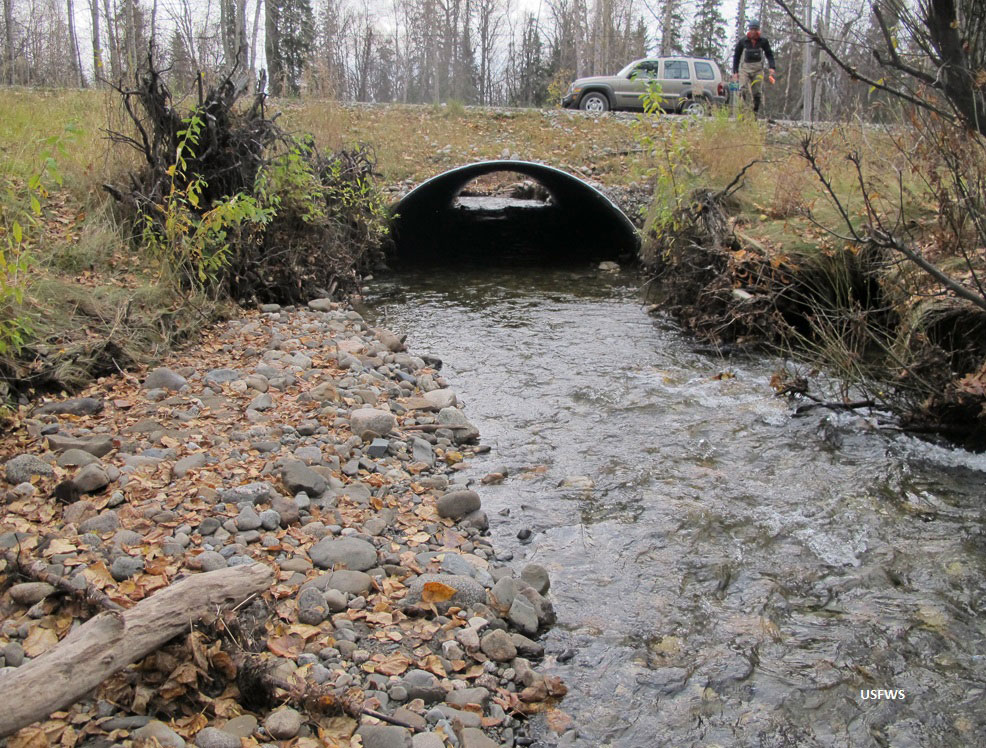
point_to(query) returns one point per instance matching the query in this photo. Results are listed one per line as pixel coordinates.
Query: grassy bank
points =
(83, 297)
(788, 236)
(414, 143)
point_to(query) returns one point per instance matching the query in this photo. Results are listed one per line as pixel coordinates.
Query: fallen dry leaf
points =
(380, 619)
(436, 592)
(394, 664)
(433, 664)
(304, 630)
(29, 737)
(290, 646)
(58, 545)
(39, 641)
(336, 728)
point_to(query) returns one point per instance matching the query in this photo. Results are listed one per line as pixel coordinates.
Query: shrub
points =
(230, 204)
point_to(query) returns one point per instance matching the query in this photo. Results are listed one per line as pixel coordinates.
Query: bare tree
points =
(112, 38)
(9, 76)
(253, 41)
(97, 49)
(232, 22)
(489, 20)
(74, 46)
(949, 37)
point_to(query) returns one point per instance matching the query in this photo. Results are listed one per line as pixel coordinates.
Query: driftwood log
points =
(112, 640)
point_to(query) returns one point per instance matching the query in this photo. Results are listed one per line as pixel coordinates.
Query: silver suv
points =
(691, 85)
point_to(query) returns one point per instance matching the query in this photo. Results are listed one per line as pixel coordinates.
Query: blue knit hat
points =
(753, 23)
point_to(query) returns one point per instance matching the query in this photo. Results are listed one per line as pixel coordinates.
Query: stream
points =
(731, 575)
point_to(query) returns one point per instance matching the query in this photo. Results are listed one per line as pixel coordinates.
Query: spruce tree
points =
(708, 37)
(290, 35)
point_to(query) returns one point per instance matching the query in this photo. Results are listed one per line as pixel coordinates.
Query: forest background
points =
(486, 52)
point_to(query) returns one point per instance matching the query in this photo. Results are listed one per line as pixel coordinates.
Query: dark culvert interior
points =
(550, 218)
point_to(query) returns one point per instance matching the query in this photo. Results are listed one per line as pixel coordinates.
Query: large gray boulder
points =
(188, 463)
(22, 468)
(283, 724)
(259, 492)
(441, 398)
(76, 458)
(379, 422)
(221, 376)
(213, 737)
(324, 392)
(298, 477)
(462, 430)
(348, 553)
(391, 340)
(384, 736)
(421, 684)
(164, 378)
(497, 645)
(164, 735)
(322, 305)
(536, 576)
(91, 478)
(523, 615)
(29, 593)
(456, 504)
(468, 591)
(98, 445)
(345, 580)
(76, 406)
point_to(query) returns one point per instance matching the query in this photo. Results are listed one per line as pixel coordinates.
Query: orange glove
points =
(771, 78)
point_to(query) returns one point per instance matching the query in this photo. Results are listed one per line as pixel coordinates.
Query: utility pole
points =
(806, 104)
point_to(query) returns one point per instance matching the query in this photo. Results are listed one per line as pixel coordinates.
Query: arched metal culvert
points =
(577, 223)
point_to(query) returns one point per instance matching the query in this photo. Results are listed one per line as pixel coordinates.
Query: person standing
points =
(748, 58)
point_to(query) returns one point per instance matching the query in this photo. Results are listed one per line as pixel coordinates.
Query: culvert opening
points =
(509, 213)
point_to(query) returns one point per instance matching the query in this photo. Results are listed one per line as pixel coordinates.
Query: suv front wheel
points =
(594, 102)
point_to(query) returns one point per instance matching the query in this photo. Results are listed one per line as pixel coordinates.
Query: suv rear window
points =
(703, 71)
(676, 70)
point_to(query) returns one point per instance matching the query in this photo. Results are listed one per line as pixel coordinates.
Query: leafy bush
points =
(232, 205)
(192, 245)
(328, 226)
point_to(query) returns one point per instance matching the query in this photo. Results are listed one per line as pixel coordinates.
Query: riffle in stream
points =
(731, 576)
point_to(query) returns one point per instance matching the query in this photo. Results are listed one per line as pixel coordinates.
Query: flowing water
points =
(734, 576)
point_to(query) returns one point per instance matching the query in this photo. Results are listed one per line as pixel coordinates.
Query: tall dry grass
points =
(88, 302)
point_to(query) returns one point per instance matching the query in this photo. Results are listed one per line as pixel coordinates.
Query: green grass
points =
(32, 116)
(88, 288)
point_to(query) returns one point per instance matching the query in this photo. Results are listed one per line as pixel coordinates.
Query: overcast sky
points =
(165, 25)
